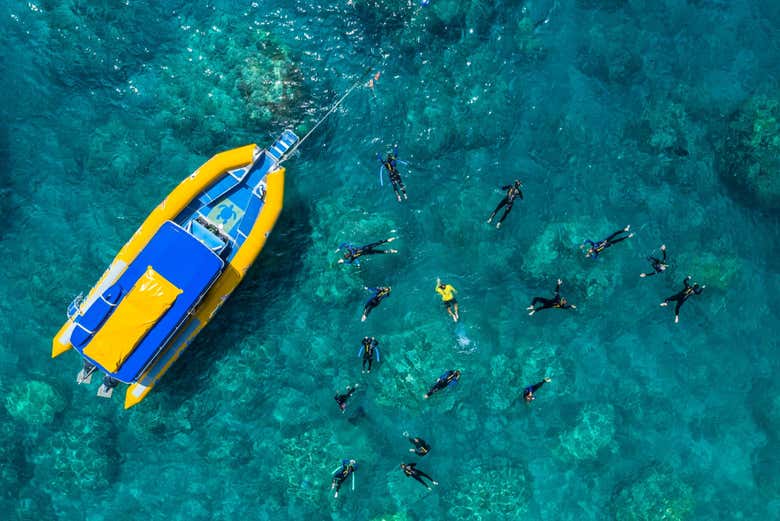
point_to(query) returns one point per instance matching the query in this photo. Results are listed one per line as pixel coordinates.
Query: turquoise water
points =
(661, 114)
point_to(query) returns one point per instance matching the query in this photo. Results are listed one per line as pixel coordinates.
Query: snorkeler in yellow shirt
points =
(447, 293)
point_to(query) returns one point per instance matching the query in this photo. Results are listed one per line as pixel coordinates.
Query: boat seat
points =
(95, 315)
(208, 234)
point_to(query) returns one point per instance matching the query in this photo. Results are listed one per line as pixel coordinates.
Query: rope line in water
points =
(289, 153)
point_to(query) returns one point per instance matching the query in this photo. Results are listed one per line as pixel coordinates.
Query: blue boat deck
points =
(234, 202)
(184, 261)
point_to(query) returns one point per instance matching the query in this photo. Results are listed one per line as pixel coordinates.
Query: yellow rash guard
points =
(448, 293)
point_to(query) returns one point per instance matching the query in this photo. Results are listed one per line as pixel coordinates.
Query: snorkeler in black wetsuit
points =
(369, 351)
(379, 294)
(391, 164)
(352, 253)
(512, 192)
(411, 471)
(421, 448)
(597, 247)
(556, 302)
(528, 392)
(341, 399)
(348, 466)
(682, 296)
(444, 381)
(659, 265)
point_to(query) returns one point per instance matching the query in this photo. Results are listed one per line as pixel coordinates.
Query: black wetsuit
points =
(512, 192)
(411, 471)
(684, 295)
(659, 265)
(555, 302)
(352, 253)
(600, 246)
(341, 399)
(444, 381)
(342, 474)
(529, 391)
(421, 448)
(379, 294)
(369, 351)
(391, 164)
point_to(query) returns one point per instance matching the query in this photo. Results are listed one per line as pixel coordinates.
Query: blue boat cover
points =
(187, 264)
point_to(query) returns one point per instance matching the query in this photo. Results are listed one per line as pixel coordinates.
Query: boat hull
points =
(234, 271)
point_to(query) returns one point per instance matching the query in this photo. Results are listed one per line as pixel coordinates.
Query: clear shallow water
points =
(106, 107)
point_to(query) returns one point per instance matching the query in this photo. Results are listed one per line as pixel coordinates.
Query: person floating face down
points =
(659, 265)
(353, 253)
(557, 301)
(421, 448)
(341, 399)
(683, 295)
(596, 248)
(447, 379)
(411, 471)
(369, 350)
(528, 392)
(512, 192)
(348, 466)
(379, 294)
(391, 165)
(447, 293)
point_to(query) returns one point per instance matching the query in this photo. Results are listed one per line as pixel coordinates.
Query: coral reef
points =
(662, 127)
(415, 369)
(12, 464)
(528, 44)
(595, 430)
(307, 462)
(657, 495)
(224, 80)
(496, 489)
(611, 55)
(715, 270)
(399, 516)
(749, 156)
(558, 247)
(34, 402)
(81, 455)
(337, 281)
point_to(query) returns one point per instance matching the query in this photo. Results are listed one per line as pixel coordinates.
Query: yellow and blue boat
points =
(176, 271)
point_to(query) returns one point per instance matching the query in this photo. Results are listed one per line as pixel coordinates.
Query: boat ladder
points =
(282, 145)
